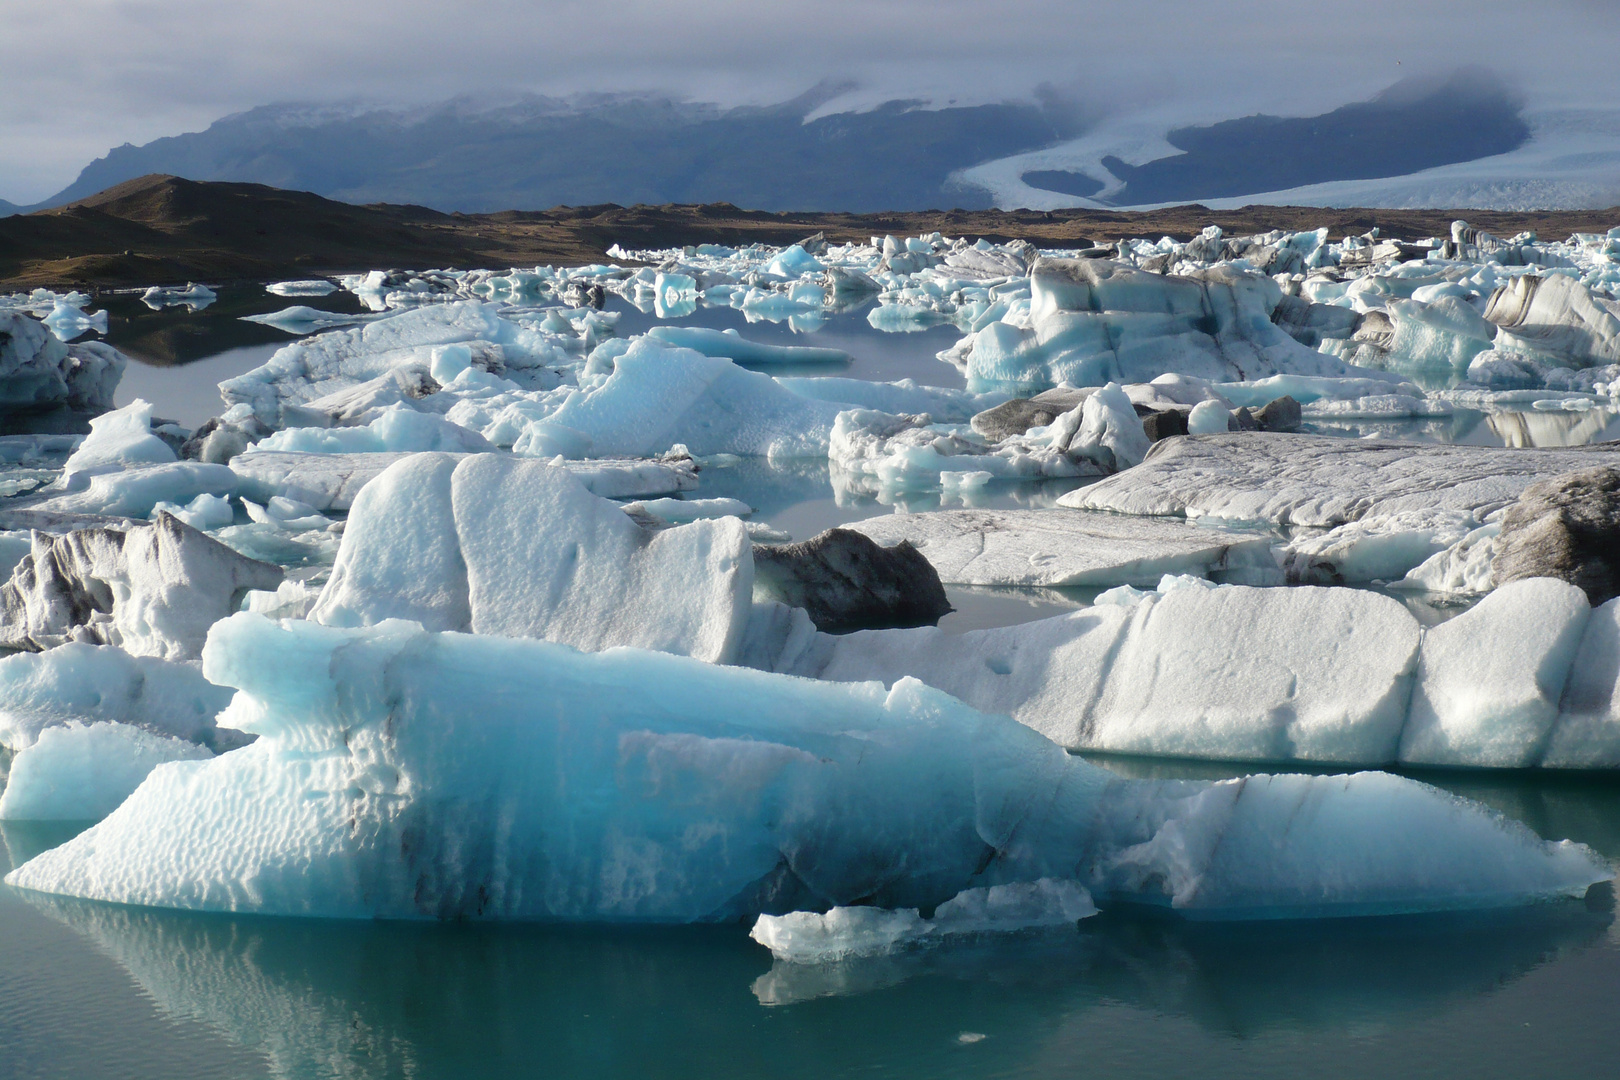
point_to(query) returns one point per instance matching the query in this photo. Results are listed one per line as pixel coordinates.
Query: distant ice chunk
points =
(734, 346)
(82, 772)
(657, 397)
(306, 287)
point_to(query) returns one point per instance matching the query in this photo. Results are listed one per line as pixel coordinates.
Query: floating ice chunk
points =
(1110, 431)
(82, 772)
(1464, 568)
(300, 319)
(1377, 549)
(680, 511)
(808, 937)
(1208, 418)
(80, 682)
(116, 441)
(331, 482)
(1308, 388)
(793, 261)
(1555, 316)
(1490, 681)
(511, 546)
(398, 429)
(733, 346)
(1317, 480)
(67, 321)
(38, 370)
(152, 589)
(1447, 332)
(204, 513)
(308, 287)
(136, 491)
(1094, 321)
(403, 774)
(1587, 732)
(1068, 547)
(657, 397)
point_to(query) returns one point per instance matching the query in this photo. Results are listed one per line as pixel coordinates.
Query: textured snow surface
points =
(1067, 547)
(1324, 481)
(512, 546)
(405, 774)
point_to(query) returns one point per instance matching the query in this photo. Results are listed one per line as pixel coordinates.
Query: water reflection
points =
(323, 998)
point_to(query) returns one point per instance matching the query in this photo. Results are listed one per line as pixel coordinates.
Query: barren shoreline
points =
(162, 229)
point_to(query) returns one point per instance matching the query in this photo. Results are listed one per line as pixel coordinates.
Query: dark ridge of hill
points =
(162, 229)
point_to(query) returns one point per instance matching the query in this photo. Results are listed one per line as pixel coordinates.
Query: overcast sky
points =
(80, 76)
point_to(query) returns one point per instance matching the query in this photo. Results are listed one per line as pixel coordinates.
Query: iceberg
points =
(1071, 547)
(1322, 481)
(152, 589)
(733, 346)
(82, 772)
(501, 545)
(406, 774)
(39, 371)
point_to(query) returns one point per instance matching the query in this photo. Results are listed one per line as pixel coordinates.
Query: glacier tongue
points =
(407, 774)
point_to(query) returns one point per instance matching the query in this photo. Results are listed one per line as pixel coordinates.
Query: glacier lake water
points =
(101, 991)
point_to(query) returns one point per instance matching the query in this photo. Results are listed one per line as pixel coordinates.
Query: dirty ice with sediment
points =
(461, 607)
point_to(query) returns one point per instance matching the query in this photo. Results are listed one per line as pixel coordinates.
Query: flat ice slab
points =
(1066, 547)
(1323, 481)
(332, 481)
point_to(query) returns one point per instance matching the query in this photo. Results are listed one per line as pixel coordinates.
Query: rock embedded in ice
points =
(516, 547)
(153, 590)
(1322, 481)
(82, 772)
(1490, 680)
(1280, 414)
(403, 774)
(1069, 547)
(845, 581)
(222, 438)
(1566, 528)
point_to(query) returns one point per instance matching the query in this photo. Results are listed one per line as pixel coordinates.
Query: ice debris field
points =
(436, 619)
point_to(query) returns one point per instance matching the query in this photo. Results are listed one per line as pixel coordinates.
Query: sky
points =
(81, 76)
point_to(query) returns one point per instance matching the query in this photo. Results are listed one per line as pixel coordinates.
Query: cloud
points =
(79, 78)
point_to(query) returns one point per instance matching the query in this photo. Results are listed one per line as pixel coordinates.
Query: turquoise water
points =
(95, 990)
